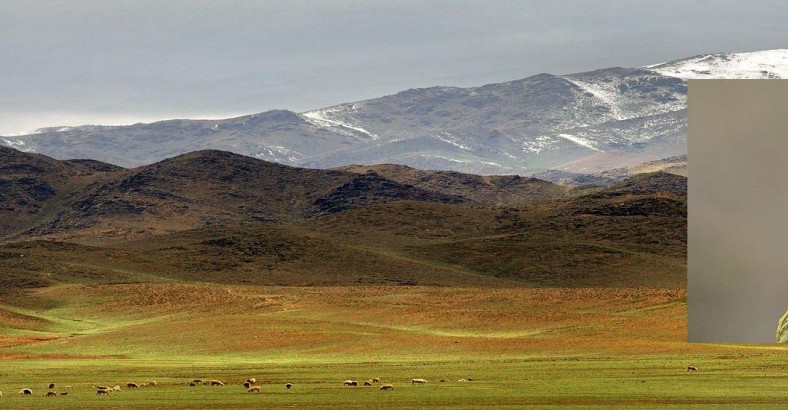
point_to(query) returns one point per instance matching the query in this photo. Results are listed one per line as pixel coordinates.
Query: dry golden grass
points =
(349, 321)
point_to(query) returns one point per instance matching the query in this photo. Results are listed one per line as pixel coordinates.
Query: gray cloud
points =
(100, 62)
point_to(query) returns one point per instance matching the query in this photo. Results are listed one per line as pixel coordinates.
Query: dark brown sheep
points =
(51, 385)
(132, 385)
(102, 391)
(247, 385)
(50, 394)
(387, 387)
(692, 369)
(368, 383)
(288, 385)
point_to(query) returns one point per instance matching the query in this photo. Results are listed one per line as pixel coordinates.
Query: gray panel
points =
(738, 209)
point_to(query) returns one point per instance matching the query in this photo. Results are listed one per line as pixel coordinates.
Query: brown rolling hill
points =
(34, 186)
(484, 189)
(203, 188)
(212, 216)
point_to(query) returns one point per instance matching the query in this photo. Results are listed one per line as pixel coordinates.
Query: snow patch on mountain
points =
(327, 118)
(450, 139)
(441, 157)
(608, 97)
(538, 143)
(768, 64)
(580, 141)
(16, 144)
(628, 95)
(278, 153)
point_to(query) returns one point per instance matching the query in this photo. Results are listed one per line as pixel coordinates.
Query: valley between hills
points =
(219, 266)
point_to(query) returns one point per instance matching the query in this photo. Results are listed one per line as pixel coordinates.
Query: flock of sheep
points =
(370, 382)
(29, 392)
(250, 385)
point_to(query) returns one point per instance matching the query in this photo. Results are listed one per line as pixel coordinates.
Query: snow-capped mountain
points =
(769, 64)
(583, 122)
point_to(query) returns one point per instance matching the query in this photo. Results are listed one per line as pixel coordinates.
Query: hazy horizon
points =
(89, 62)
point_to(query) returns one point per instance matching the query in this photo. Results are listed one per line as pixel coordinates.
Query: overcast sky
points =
(111, 62)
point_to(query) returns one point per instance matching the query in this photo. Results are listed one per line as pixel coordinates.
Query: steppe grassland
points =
(521, 346)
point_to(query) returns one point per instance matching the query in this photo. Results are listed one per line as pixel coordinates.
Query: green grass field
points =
(544, 381)
(522, 347)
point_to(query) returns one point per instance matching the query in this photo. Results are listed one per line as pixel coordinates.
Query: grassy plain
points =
(521, 346)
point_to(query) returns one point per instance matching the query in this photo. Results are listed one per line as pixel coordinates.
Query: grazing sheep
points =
(65, 393)
(216, 383)
(51, 385)
(192, 384)
(462, 380)
(247, 385)
(1, 394)
(132, 385)
(102, 387)
(197, 381)
(254, 389)
(442, 381)
(469, 379)
(116, 388)
(151, 383)
(417, 381)
(375, 380)
(50, 394)
(350, 383)
(102, 391)
(387, 387)
(288, 385)
(252, 381)
(692, 369)
(26, 392)
(368, 383)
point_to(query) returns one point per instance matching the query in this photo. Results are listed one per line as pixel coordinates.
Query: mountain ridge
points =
(64, 199)
(582, 122)
(217, 216)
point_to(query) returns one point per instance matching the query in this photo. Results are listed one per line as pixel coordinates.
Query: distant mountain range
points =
(580, 123)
